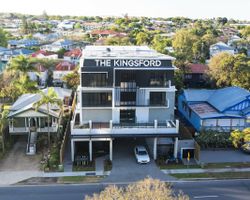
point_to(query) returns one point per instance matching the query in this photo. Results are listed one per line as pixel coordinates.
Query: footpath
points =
(13, 177)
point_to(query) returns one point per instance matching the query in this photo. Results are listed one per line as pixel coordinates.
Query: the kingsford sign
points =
(122, 63)
(128, 63)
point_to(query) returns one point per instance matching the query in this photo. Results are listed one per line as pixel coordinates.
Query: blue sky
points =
(239, 9)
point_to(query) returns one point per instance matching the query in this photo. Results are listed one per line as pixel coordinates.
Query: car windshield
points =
(142, 153)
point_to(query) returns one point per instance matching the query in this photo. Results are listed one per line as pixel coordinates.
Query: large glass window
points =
(127, 116)
(158, 78)
(102, 99)
(128, 98)
(94, 79)
(158, 99)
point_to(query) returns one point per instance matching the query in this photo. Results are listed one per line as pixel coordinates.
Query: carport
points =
(85, 145)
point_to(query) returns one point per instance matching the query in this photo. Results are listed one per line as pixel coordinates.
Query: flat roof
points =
(124, 52)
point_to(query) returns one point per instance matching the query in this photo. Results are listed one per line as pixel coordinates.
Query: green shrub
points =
(213, 139)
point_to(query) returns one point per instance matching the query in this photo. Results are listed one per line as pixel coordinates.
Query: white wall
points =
(142, 115)
(97, 115)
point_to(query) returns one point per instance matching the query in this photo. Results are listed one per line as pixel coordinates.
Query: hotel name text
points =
(127, 63)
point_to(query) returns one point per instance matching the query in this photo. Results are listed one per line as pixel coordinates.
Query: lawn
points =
(227, 165)
(80, 179)
(224, 175)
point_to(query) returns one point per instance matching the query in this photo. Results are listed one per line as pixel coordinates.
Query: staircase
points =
(31, 146)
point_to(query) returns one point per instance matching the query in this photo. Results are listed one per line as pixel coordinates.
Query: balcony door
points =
(127, 116)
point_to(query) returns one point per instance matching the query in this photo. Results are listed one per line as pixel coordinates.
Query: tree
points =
(48, 98)
(228, 70)
(183, 43)
(3, 123)
(77, 26)
(148, 188)
(142, 38)
(159, 43)
(246, 32)
(3, 38)
(21, 65)
(238, 137)
(72, 79)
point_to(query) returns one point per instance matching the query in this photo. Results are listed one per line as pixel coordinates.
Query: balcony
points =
(16, 130)
(117, 129)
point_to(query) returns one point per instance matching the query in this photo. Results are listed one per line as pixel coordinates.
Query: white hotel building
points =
(125, 92)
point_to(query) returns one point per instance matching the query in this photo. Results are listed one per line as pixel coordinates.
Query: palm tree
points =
(22, 65)
(48, 98)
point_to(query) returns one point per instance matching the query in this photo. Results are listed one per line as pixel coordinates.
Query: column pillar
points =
(25, 121)
(155, 149)
(90, 151)
(72, 150)
(175, 147)
(111, 149)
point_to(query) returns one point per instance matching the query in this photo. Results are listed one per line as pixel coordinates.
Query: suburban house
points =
(5, 56)
(42, 54)
(59, 44)
(103, 33)
(195, 75)
(66, 25)
(23, 43)
(124, 92)
(25, 119)
(222, 109)
(219, 48)
(41, 75)
(73, 56)
(63, 68)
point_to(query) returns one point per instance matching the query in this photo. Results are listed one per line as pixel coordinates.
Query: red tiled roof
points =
(103, 32)
(197, 68)
(74, 53)
(43, 52)
(65, 66)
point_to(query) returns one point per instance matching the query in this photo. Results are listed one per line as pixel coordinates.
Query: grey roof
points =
(27, 101)
(221, 99)
(221, 46)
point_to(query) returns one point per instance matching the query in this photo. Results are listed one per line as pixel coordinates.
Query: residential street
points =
(222, 190)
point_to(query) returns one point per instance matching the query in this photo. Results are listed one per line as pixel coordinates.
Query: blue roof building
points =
(222, 109)
(23, 43)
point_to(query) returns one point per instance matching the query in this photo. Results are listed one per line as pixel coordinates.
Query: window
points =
(158, 79)
(128, 98)
(158, 99)
(103, 99)
(188, 76)
(94, 79)
(127, 116)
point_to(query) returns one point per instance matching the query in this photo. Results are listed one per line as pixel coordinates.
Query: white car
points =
(141, 155)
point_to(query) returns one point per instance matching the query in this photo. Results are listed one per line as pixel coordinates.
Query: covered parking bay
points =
(89, 146)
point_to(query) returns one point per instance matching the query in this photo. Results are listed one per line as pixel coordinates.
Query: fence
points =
(67, 131)
(197, 151)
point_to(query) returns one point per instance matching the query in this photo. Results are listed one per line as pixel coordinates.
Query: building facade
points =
(224, 109)
(125, 91)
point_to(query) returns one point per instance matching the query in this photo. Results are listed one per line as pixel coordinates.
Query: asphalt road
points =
(221, 190)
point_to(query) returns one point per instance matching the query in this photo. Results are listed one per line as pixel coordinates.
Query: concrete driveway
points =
(17, 160)
(125, 168)
(223, 156)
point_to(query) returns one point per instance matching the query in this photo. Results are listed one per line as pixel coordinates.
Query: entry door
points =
(127, 116)
(185, 153)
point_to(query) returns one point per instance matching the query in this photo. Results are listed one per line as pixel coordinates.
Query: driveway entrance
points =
(125, 167)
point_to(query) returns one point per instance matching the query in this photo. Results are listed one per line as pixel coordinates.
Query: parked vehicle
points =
(246, 147)
(141, 155)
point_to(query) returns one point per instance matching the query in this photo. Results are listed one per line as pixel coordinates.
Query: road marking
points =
(208, 196)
